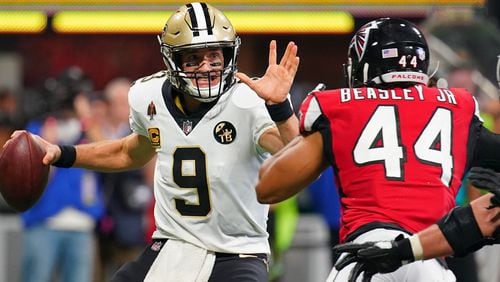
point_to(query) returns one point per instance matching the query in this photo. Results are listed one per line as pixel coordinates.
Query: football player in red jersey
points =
(463, 230)
(398, 147)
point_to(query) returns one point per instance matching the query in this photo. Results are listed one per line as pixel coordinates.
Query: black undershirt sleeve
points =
(487, 150)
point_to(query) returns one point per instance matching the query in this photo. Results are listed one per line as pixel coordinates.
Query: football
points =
(23, 176)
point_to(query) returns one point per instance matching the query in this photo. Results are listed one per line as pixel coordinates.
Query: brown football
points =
(23, 176)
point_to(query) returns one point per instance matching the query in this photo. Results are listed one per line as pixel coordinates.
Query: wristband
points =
(416, 247)
(67, 158)
(281, 111)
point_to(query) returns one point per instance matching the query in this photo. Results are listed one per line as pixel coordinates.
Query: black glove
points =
(374, 257)
(352, 257)
(486, 179)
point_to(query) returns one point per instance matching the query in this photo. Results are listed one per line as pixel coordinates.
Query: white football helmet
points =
(199, 26)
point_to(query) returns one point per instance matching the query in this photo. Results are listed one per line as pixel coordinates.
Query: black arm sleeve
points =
(460, 229)
(487, 150)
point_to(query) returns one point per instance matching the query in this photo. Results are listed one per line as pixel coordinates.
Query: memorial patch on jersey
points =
(224, 132)
(154, 137)
(151, 110)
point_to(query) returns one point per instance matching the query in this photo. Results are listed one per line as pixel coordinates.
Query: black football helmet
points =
(387, 52)
(199, 26)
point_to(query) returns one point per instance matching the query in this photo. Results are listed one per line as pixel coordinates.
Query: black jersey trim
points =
(374, 225)
(168, 93)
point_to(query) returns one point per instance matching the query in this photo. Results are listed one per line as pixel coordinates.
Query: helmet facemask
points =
(199, 26)
(183, 80)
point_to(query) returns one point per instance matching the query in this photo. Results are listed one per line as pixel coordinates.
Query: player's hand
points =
(52, 152)
(361, 265)
(275, 85)
(487, 179)
(374, 257)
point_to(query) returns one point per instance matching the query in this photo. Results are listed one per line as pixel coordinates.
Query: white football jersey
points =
(207, 166)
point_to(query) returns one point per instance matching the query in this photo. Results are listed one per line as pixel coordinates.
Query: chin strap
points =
(435, 71)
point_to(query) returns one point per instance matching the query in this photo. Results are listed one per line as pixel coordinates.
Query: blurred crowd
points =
(89, 223)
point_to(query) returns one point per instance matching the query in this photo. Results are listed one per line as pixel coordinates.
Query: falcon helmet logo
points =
(360, 40)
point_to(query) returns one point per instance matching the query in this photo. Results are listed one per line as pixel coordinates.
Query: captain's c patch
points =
(154, 137)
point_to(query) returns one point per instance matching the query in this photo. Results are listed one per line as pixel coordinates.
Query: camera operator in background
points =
(59, 229)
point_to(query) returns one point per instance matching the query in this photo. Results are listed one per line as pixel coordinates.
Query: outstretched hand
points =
(487, 179)
(275, 85)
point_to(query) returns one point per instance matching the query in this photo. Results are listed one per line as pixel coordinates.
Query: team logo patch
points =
(225, 132)
(154, 137)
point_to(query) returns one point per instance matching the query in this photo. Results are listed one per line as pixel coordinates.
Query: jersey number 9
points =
(197, 179)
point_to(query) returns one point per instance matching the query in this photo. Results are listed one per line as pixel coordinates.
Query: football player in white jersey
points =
(210, 128)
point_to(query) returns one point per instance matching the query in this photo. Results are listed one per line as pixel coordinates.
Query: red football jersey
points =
(399, 154)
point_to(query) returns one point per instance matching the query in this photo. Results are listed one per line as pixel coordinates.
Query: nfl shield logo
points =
(156, 246)
(187, 126)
